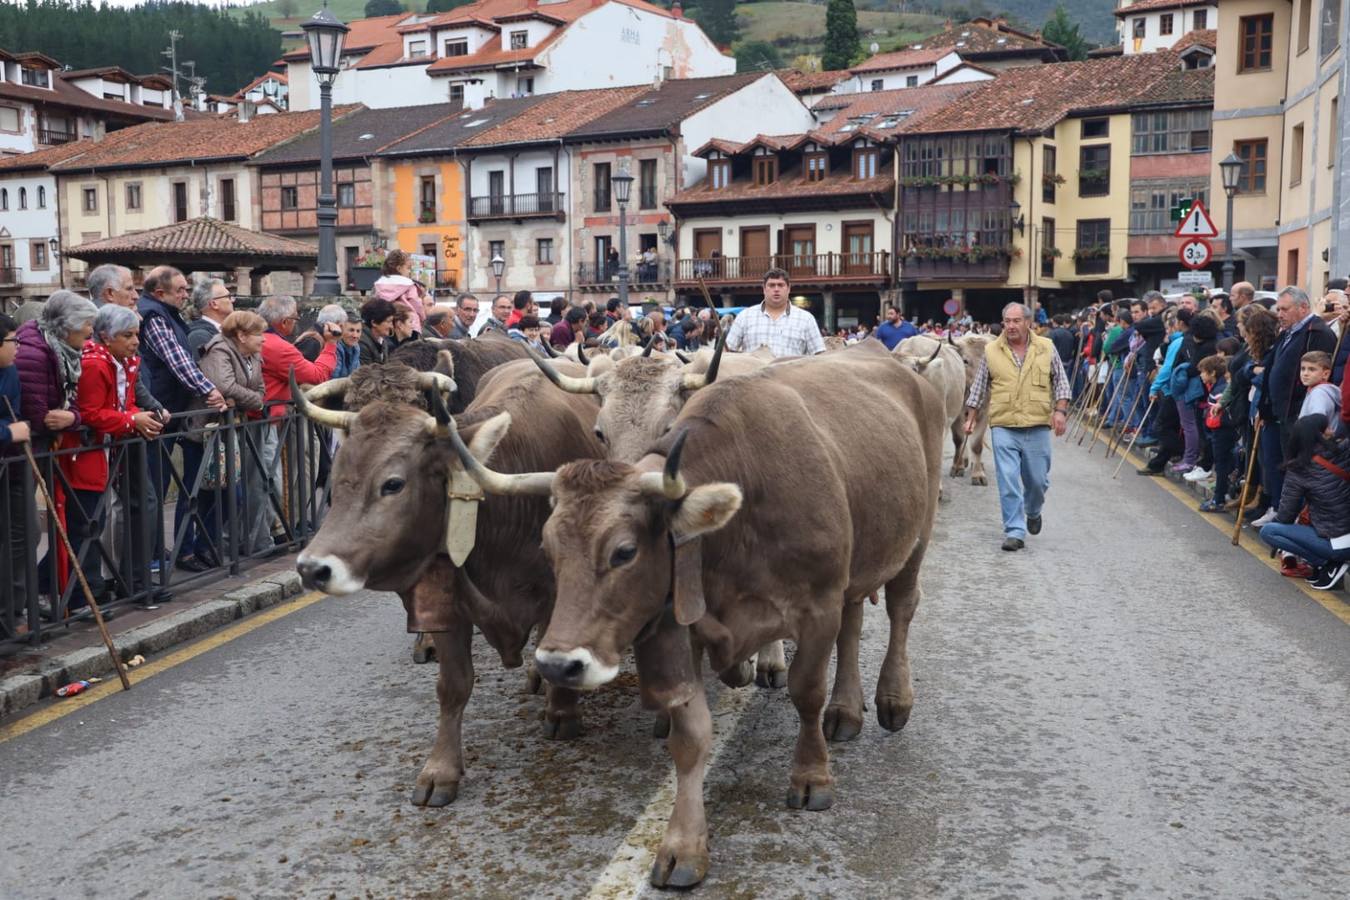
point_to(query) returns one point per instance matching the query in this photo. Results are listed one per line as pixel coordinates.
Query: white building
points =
(510, 48)
(1150, 25)
(270, 92)
(30, 223)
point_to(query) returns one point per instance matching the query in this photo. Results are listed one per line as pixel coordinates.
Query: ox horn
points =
(548, 350)
(566, 382)
(581, 354)
(693, 382)
(530, 483)
(651, 342)
(930, 359)
(333, 418)
(432, 381)
(683, 357)
(667, 483)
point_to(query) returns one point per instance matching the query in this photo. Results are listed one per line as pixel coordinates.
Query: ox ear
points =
(488, 436)
(445, 363)
(705, 509)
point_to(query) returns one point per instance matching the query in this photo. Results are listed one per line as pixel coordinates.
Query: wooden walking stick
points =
(1118, 401)
(74, 560)
(1134, 437)
(1247, 482)
(1090, 397)
(1099, 415)
(1119, 437)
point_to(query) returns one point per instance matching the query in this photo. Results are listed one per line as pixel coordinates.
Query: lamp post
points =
(1231, 171)
(498, 267)
(54, 244)
(325, 35)
(623, 186)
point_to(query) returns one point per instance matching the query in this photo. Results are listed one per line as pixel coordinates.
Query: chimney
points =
(246, 111)
(677, 10)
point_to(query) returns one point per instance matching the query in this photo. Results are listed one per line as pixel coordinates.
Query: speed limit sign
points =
(1196, 253)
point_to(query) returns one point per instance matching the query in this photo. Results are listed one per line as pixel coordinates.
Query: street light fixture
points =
(325, 35)
(1016, 219)
(1230, 170)
(498, 267)
(54, 244)
(623, 187)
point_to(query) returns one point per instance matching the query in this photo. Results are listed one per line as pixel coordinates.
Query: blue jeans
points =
(1022, 464)
(1271, 458)
(1303, 541)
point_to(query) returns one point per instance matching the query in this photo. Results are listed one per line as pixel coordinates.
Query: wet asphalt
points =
(1128, 708)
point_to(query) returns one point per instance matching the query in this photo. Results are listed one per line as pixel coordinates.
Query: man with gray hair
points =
(112, 284)
(1028, 392)
(310, 344)
(212, 302)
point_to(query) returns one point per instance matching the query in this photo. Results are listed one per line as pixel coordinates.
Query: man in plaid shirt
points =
(776, 323)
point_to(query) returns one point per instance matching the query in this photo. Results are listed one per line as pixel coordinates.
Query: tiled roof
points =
(66, 94)
(994, 37)
(811, 82)
(1151, 5)
(389, 55)
(839, 183)
(277, 76)
(490, 57)
(728, 147)
(554, 117)
(1034, 98)
(209, 137)
(363, 133)
(198, 237)
(1204, 37)
(365, 34)
(41, 159)
(659, 109)
(966, 67)
(1182, 86)
(902, 59)
(908, 108)
(450, 133)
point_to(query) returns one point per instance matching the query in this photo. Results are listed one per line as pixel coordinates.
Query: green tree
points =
(438, 6)
(1060, 30)
(717, 18)
(841, 35)
(758, 56)
(287, 8)
(382, 8)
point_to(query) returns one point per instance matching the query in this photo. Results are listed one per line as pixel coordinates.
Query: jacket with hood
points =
(401, 290)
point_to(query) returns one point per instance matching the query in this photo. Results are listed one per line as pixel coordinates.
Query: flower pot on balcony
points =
(363, 278)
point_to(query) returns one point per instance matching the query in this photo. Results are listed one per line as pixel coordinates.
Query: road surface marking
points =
(111, 685)
(628, 869)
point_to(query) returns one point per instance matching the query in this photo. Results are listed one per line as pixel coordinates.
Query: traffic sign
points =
(1201, 278)
(1197, 223)
(1196, 253)
(1182, 209)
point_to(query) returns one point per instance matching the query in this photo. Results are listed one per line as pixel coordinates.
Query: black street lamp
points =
(54, 244)
(498, 267)
(623, 186)
(325, 35)
(1231, 171)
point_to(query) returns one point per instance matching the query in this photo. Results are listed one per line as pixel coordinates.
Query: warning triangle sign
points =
(1197, 223)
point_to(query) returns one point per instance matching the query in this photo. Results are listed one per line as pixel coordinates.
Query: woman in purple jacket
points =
(49, 364)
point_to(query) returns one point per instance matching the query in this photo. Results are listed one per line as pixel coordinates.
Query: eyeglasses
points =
(9, 340)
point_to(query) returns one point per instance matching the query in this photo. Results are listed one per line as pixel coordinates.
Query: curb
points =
(20, 691)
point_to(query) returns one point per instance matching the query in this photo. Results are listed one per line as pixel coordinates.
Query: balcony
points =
(48, 134)
(516, 206)
(9, 277)
(605, 277)
(821, 268)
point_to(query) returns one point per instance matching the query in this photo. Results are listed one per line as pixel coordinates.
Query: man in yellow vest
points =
(1028, 393)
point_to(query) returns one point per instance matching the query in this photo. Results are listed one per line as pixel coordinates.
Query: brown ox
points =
(811, 504)
(971, 451)
(387, 530)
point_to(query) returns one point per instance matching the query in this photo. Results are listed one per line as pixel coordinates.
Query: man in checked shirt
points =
(1029, 395)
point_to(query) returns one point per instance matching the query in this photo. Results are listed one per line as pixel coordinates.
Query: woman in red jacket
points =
(106, 398)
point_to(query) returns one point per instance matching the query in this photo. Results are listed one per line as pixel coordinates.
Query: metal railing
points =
(9, 275)
(863, 266)
(510, 205)
(247, 481)
(49, 135)
(589, 273)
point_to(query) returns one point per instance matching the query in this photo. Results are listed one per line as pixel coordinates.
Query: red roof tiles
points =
(554, 116)
(1153, 5)
(902, 59)
(204, 237)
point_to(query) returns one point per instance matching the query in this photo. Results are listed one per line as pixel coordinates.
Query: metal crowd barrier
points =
(144, 531)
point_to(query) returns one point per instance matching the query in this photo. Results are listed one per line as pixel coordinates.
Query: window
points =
(457, 48)
(228, 211)
(457, 94)
(647, 184)
(878, 84)
(4, 199)
(1175, 131)
(133, 197)
(524, 87)
(543, 186)
(9, 119)
(37, 255)
(602, 193)
(346, 195)
(23, 198)
(496, 249)
(180, 201)
(290, 198)
(911, 81)
(1296, 155)
(90, 196)
(1305, 8)
(719, 173)
(543, 252)
(427, 198)
(1094, 171)
(1165, 23)
(1092, 252)
(429, 250)
(1291, 267)
(519, 40)
(1140, 29)
(1096, 128)
(766, 170)
(817, 165)
(865, 163)
(1331, 26)
(1200, 20)
(34, 77)
(1253, 155)
(42, 197)
(1047, 248)
(417, 49)
(1049, 168)
(1152, 202)
(1255, 42)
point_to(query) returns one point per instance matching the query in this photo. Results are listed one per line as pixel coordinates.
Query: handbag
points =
(216, 465)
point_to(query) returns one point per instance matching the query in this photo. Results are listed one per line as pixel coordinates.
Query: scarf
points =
(122, 371)
(67, 357)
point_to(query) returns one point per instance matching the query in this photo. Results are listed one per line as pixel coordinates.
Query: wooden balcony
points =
(605, 277)
(919, 269)
(516, 206)
(864, 269)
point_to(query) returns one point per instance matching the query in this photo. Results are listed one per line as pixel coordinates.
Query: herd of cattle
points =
(686, 508)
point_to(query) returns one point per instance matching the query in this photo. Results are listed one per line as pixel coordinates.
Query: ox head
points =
(623, 544)
(640, 396)
(389, 484)
(919, 364)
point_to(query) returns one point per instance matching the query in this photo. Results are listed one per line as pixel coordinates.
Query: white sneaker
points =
(1265, 519)
(1196, 474)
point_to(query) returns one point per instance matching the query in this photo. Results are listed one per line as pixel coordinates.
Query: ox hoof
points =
(677, 870)
(958, 471)
(534, 682)
(435, 794)
(562, 728)
(424, 650)
(980, 480)
(740, 675)
(811, 797)
(661, 726)
(892, 714)
(841, 724)
(771, 678)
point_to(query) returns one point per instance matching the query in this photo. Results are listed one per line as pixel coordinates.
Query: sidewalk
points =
(34, 674)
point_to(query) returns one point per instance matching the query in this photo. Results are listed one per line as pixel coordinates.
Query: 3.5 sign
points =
(1196, 253)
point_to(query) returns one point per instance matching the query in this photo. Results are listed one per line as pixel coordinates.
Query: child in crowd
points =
(1324, 398)
(1219, 430)
(1317, 474)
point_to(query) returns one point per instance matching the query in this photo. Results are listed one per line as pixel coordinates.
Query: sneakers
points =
(1013, 543)
(1182, 469)
(1196, 474)
(1265, 519)
(1212, 506)
(1330, 576)
(1033, 524)
(1147, 440)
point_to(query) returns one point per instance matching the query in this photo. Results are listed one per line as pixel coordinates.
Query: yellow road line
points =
(1249, 542)
(112, 686)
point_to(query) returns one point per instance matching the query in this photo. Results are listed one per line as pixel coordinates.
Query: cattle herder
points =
(1029, 394)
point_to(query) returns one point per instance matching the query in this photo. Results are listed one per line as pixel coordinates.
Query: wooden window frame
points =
(519, 40)
(292, 192)
(1104, 121)
(1200, 20)
(539, 244)
(1251, 30)
(1049, 169)
(719, 165)
(1165, 23)
(1140, 25)
(861, 154)
(812, 172)
(36, 249)
(455, 44)
(173, 199)
(765, 170)
(1260, 151)
(1297, 137)
(85, 194)
(18, 117)
(1082, 166)
(229, 200)
(1047, 243)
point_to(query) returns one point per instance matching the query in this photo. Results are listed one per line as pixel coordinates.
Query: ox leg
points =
(844, 715)
(959, 442)
(562, 722)
(977, 474)
(771, 666)
(682, 860)
(811, 786)
(438, 782)
(895, 692)
(424, 648)
(534, 682)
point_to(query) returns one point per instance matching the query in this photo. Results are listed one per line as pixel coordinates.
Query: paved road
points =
(1128, 708)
